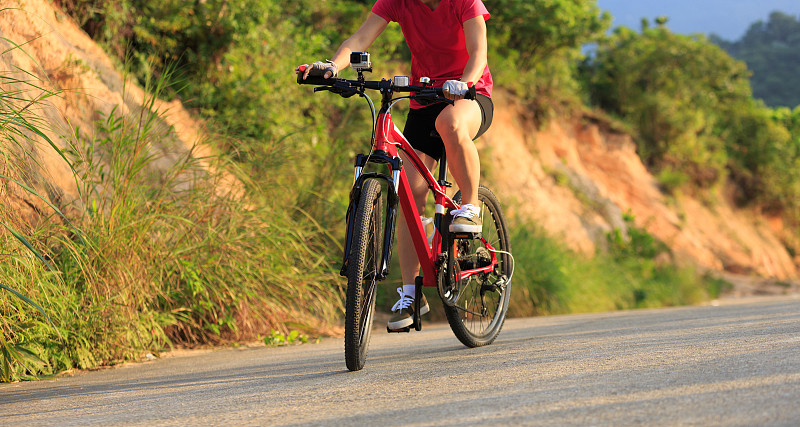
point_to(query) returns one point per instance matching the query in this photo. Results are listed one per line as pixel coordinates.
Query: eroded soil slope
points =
(46, 50)
(576, 178)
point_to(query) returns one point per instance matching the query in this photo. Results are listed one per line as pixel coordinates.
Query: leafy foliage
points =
(535, 47)
(675, 90)
(639, 244)
(772, 51)
(764, 144)
(695, 116)
(527, 32)
(551, 279)
(240, 78)
(277, 338)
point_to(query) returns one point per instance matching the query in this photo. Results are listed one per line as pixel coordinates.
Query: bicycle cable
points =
(513, 263)
(374, 123)
(374, 119)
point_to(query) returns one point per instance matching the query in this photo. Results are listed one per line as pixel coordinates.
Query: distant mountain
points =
(728, 19)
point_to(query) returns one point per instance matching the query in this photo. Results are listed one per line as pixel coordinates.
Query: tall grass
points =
(24, 259)
(157, 256)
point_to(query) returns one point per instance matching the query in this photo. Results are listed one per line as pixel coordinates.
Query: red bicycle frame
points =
(388, 141)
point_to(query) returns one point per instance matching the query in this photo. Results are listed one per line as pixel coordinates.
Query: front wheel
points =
(478, 304)
(362, 274)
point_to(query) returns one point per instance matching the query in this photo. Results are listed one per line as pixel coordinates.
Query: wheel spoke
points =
(366, 313)
(477, 319)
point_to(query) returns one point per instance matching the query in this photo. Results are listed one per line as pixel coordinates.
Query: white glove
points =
(455, 88)
(326, 69)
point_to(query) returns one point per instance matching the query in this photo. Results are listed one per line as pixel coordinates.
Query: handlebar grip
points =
(471, 93)
(312, 80)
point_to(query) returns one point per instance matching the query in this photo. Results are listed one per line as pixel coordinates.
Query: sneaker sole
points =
(424, 309)
(459, 228)
(400, 324)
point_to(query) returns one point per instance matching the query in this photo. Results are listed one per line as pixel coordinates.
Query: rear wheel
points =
(362, 273)
(476, 306)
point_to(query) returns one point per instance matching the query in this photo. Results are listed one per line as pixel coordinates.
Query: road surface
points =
(733, 364)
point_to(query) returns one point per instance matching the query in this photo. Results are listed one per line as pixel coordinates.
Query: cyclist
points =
(447, 39)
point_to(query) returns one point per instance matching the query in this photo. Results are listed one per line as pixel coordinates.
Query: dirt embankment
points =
(52, 54)
(576, 178)
(573, 177)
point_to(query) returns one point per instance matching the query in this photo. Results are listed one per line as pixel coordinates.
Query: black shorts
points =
(420, 129)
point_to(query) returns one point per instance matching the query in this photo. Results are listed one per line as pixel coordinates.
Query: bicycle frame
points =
(386, 145)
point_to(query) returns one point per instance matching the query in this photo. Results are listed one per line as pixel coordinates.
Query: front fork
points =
(392, 209)
(392, 199)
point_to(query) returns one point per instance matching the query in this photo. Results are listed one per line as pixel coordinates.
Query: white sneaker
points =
(467, 219)
(403, 311)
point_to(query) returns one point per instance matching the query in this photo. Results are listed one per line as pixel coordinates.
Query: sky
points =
(729, 19)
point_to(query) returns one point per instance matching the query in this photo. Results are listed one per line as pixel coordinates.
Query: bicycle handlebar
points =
(350, 87)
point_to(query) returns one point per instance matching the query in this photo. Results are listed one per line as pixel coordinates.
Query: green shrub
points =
(695, 117)
(674, 89)
(549, 278)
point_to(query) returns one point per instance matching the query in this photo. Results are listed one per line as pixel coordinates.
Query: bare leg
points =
(457, 124)
(409, 263)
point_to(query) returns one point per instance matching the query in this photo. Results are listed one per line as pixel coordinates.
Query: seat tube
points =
(439, 208)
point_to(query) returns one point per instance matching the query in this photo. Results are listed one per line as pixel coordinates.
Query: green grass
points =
(634, 273)
(156, 258)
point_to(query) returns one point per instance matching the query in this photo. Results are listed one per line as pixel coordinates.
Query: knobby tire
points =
(363, 264)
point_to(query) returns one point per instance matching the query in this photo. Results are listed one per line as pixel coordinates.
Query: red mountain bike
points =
(472, 271)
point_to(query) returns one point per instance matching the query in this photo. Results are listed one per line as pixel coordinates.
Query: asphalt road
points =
(733, 364)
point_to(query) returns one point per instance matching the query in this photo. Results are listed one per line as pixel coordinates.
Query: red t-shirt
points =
(436, 38)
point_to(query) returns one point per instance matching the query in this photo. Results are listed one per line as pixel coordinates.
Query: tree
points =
(673, 89)
(772, 51)
(692, 107)
(531, 30)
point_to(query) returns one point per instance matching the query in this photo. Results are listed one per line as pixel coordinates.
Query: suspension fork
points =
(392, 199)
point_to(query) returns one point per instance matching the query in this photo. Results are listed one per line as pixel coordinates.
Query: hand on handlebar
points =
(326, 70)
(455, 89)
(452, 91)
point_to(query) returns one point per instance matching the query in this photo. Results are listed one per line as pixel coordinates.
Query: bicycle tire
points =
(363, 263)
(482, 329)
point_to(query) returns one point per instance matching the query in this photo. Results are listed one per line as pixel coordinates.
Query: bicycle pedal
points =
(461, 235)
(398, 331)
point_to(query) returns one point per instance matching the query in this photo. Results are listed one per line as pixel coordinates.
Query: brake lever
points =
(347, 93)
(343, 92)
